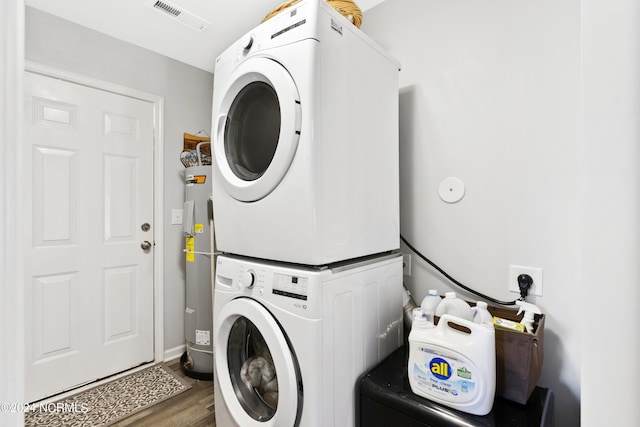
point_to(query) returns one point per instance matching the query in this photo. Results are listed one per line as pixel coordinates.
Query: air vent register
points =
(175, 12)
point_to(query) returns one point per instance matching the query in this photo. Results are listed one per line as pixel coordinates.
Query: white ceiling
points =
(137, 22)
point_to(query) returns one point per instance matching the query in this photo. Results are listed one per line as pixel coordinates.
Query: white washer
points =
(305, 131)
(318, 329)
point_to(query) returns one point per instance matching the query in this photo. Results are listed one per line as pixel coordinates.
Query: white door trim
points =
(11, 271)
(158, 162)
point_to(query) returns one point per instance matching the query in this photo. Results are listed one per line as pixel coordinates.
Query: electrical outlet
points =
(176, 216)
(406, 264)
(535, 273)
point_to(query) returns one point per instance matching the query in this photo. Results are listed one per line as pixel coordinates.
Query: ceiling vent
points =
(172, 11)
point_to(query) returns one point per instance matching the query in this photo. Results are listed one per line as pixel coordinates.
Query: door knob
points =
(145, 226)
(146, 245)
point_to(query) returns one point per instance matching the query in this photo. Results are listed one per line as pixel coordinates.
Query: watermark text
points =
(54, 407)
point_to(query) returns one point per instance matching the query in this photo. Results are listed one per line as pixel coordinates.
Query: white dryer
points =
(290, 343)
(305, 131)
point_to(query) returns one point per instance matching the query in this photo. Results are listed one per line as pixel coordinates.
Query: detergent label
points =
(440, 368)
(446, 375)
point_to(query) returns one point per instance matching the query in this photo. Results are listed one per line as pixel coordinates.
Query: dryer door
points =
(257, 128)
(256, 370)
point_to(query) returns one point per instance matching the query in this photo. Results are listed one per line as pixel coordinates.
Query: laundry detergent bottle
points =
(454, 363)
(453, 305)
(481, 313)
(429, 304)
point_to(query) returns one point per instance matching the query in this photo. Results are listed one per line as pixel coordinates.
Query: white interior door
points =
(88, 182)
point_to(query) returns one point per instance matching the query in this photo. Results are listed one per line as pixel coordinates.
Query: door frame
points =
(11, 271)
(158, 169)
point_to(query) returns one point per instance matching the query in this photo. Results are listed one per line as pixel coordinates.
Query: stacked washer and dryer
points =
(308, 286)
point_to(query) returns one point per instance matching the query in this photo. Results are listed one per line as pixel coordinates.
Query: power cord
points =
(454, 281)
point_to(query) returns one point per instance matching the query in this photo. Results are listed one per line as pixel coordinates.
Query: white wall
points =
(611, 211)
(490, 93)
(187, 94)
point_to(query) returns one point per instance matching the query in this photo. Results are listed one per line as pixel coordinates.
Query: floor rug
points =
(109, 402)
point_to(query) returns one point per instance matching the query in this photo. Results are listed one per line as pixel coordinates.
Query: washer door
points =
(257, 128)
(256, 370)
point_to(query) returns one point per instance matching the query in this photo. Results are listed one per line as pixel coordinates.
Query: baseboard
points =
(174, 353)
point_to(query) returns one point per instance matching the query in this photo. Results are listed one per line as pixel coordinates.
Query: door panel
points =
(119, 303)
(88, 182)
(54, 196)
(119, 198)
(55, 315)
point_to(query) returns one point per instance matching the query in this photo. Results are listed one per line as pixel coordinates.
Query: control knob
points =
(247, 279)
(247, 42)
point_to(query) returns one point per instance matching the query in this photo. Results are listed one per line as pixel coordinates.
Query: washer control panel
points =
(291, 286)
(295, 290)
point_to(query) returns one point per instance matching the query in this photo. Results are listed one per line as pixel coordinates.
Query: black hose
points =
(454, 281)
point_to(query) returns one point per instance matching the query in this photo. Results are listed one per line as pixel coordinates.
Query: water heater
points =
(197, 361)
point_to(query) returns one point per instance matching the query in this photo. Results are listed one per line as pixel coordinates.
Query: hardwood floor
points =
(192, 408)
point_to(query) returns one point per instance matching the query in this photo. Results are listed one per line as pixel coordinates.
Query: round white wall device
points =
(451, 189)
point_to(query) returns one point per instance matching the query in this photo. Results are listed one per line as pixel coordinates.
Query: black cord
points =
(445, 274)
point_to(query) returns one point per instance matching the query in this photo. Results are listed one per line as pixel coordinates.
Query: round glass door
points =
(253, 374)
(257, 128)
(256, 370)
(252, 130)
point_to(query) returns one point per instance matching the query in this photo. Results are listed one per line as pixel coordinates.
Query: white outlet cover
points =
(406, 264)
(176, 216)
(534, 272)
(451, 189)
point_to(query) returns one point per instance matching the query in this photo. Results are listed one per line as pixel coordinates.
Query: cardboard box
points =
(519, 357)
